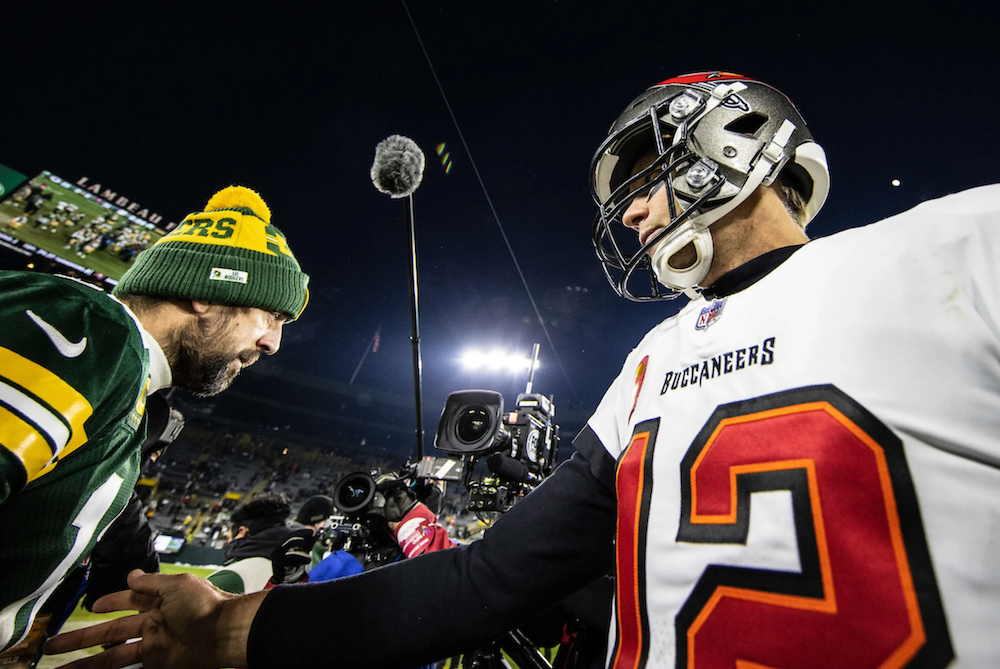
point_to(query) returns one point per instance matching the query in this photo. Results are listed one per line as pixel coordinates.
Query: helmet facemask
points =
(673, 160)
(711, 150)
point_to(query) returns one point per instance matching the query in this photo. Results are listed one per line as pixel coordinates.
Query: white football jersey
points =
(809, 469)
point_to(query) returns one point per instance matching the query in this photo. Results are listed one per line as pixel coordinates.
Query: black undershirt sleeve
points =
(557, 540)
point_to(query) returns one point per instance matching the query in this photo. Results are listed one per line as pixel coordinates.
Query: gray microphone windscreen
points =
(398, 166)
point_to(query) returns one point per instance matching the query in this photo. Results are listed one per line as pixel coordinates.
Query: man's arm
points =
(548, 546)
(555, 541)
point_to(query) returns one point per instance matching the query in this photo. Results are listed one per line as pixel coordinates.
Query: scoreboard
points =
(48, 223)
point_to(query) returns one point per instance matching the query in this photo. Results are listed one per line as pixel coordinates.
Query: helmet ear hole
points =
(795, 176)
(748, 124)
(811, 159)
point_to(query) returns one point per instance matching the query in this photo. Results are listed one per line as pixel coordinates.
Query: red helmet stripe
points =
(699, 77)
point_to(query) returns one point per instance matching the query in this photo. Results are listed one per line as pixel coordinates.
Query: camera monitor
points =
(440, 469)
(167, 544)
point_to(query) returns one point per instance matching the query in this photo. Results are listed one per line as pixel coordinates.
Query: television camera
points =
(498, 456)
(360, 498)
(519, 447)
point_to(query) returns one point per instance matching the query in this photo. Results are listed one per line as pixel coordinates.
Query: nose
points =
(636, 212)
(270, 341)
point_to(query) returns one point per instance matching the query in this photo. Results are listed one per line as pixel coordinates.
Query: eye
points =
(645, 180)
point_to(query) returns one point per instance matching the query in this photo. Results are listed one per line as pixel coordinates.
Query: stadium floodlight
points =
(495, 361)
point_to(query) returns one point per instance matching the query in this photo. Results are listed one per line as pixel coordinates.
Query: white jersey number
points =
(86, 523)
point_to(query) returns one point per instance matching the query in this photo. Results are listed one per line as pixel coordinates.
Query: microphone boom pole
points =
(415, 331)
(397, 171)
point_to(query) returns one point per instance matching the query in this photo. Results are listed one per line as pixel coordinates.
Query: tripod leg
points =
(522, 652)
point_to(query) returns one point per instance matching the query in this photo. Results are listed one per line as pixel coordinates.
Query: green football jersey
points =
(74, 376)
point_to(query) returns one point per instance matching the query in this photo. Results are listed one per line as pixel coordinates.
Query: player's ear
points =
(200, 307)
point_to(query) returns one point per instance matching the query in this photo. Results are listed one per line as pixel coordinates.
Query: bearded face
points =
(207, 354)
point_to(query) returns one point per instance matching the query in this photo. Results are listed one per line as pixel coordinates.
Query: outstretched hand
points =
(184, 623)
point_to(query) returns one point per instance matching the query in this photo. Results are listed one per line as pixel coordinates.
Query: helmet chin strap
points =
(684, 279)
(695, 231)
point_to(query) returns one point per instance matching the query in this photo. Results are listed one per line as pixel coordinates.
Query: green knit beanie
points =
(228, 254)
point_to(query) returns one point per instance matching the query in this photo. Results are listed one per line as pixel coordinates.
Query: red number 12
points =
(866, 595)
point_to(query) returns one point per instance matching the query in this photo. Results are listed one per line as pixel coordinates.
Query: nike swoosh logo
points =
(67, 348)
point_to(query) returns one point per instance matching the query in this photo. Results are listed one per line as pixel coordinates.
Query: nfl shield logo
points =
(710, 314)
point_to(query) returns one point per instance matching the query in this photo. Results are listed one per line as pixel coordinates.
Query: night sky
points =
(167, 103)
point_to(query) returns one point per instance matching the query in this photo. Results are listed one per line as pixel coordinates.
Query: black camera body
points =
(358, 526)
(534, 437)
(520, 447)
(355, 528)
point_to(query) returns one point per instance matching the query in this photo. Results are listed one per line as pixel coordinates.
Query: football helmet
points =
(714, 137)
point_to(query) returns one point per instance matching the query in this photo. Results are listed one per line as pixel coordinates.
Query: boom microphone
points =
(398, 166)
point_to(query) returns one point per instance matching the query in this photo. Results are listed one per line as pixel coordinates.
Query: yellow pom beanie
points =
(228, 254)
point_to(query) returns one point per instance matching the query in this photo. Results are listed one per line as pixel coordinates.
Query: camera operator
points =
(413, 523)
(326, 560)
(261, 549)
(314, 514)
(410, 528)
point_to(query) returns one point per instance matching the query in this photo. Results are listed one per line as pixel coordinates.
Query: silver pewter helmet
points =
(717, 137)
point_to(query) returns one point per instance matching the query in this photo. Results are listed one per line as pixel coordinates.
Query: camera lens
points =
(354, 492)
(473, 424)
(350, 494)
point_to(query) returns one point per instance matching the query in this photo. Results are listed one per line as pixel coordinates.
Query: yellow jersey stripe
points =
(24, 441)
(41, 416)
(52, 390)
